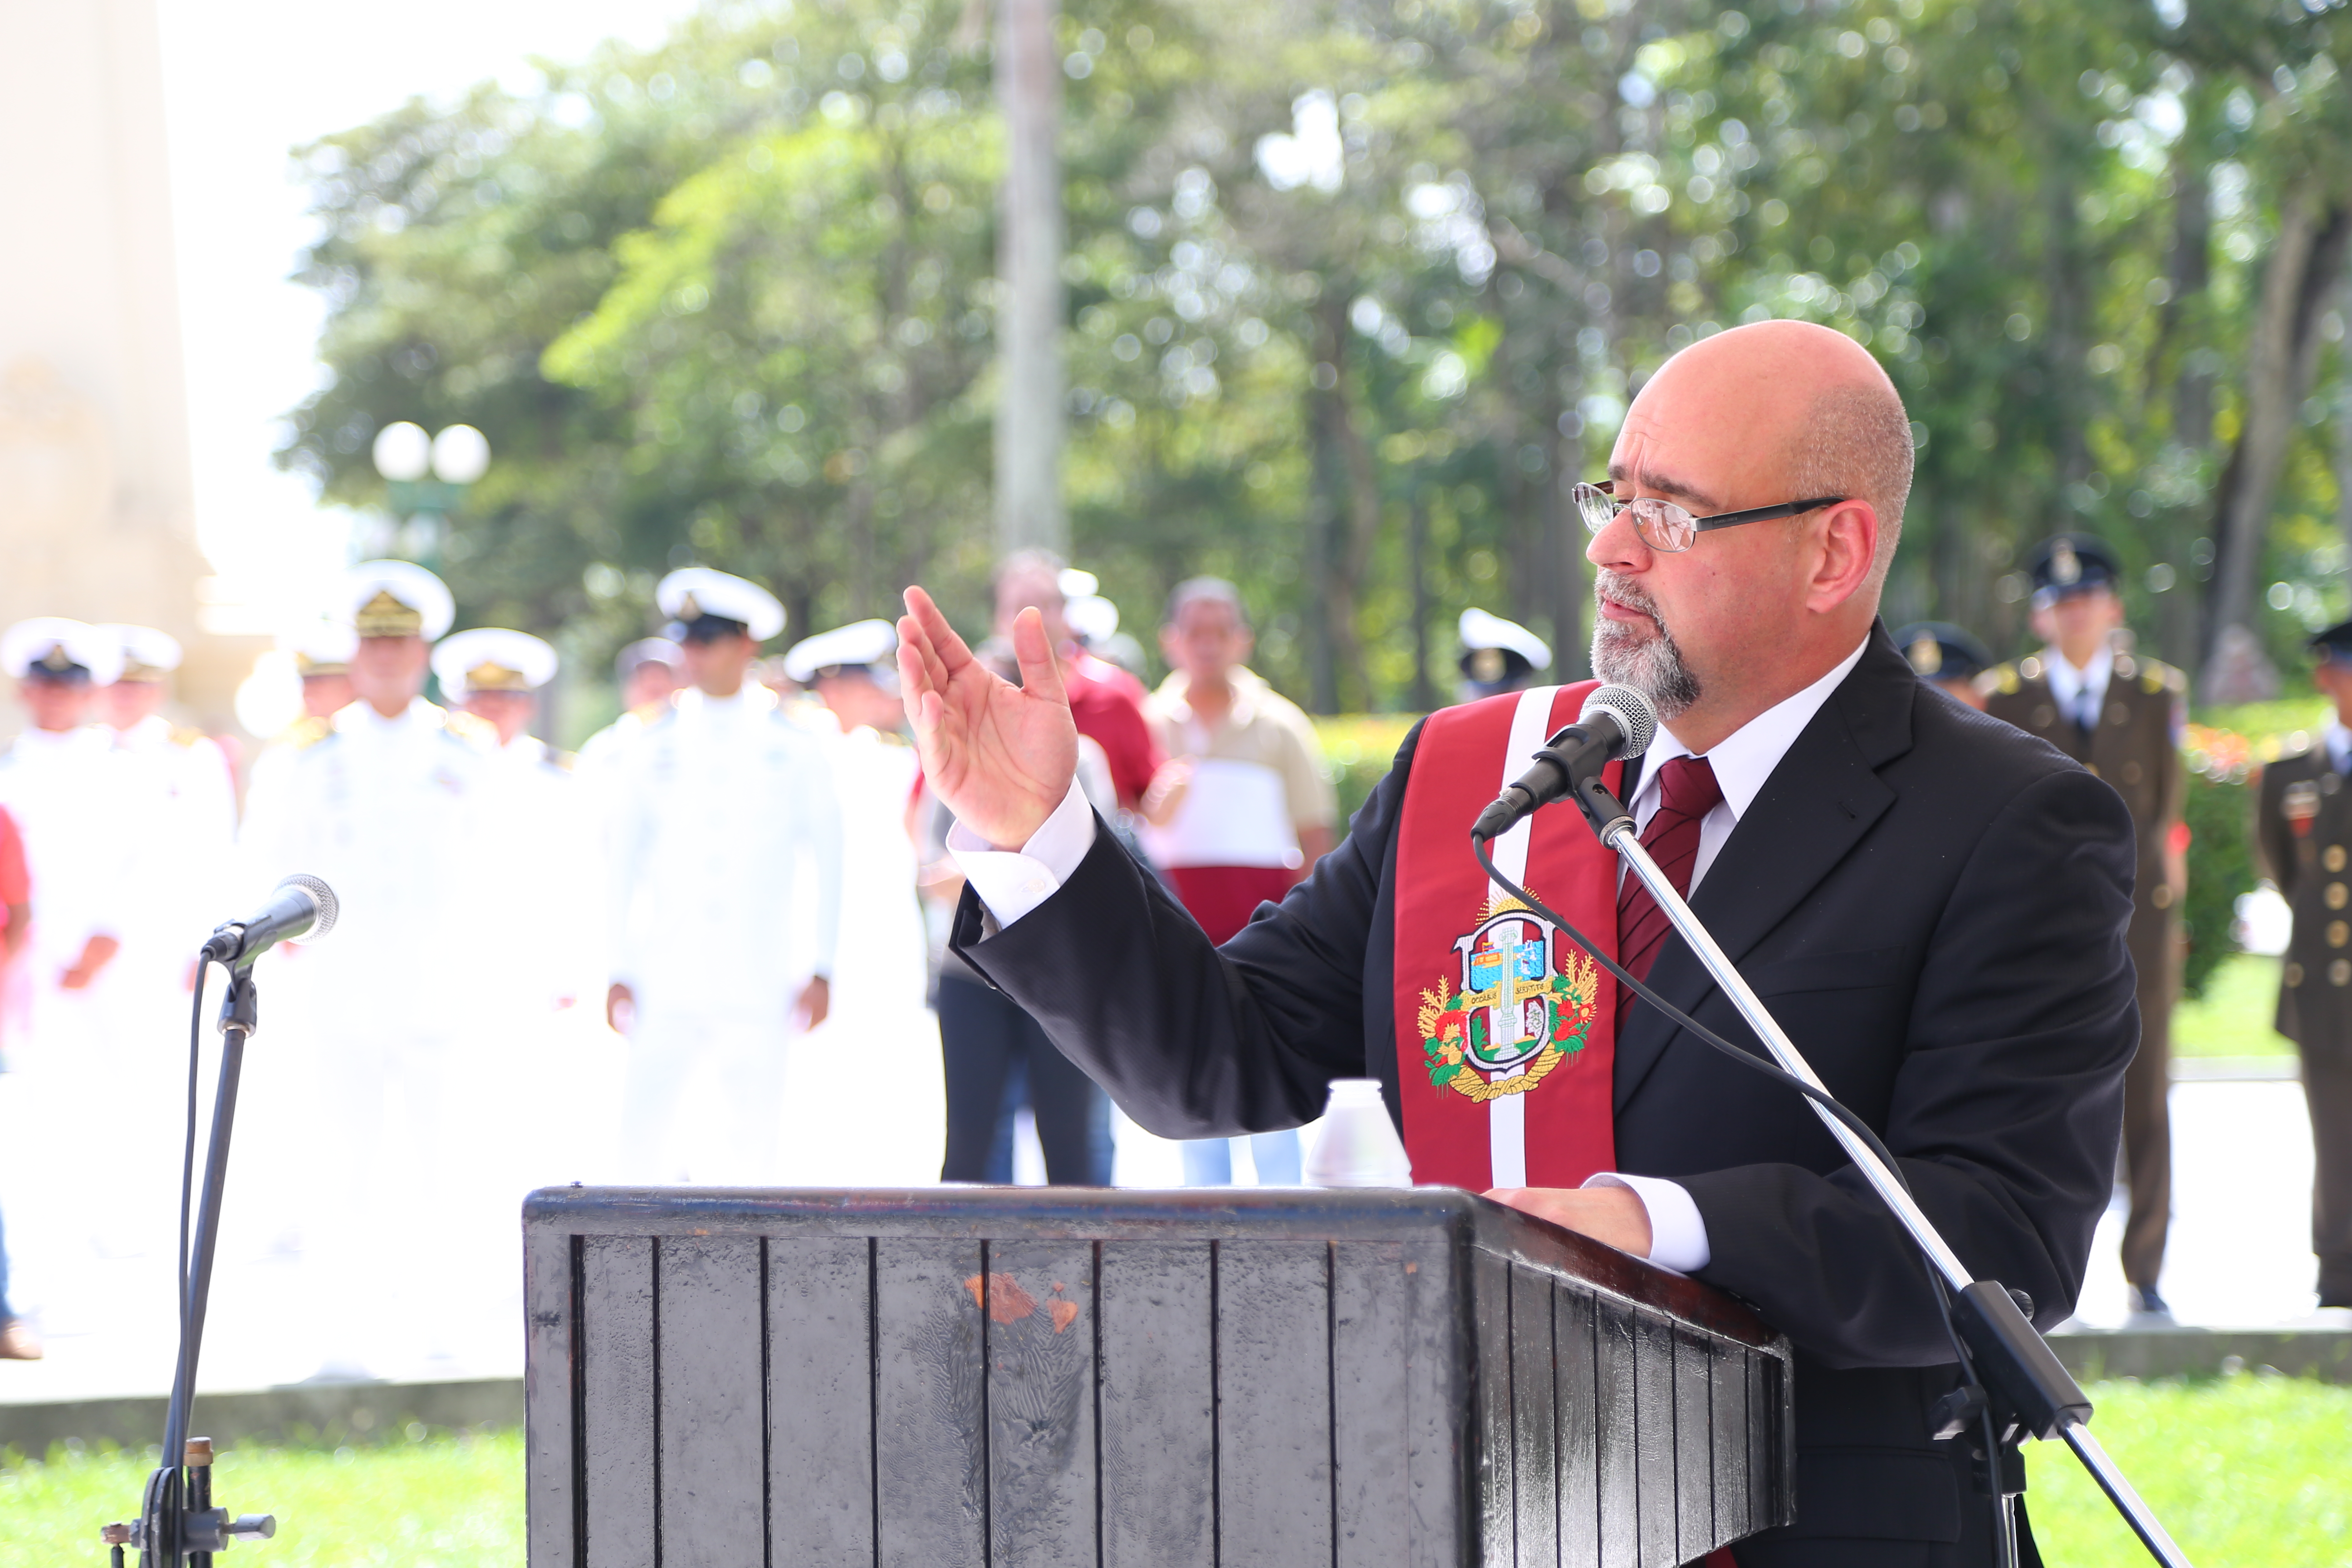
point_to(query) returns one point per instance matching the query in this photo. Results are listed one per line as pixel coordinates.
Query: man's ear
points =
(1847, 547)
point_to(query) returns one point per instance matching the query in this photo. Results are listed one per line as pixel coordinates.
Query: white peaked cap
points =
(1092, 617)
(395, 599)
(320, 645)
(859, 643)
(1478, 629)
(146, 652)
(60, 643)
(717, 594)
(492, 658)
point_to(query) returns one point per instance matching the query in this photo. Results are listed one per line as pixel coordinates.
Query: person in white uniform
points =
(76, 1089)
(185, 813)
(879, 977)
(649, 671)
(725, 899)
(386, 807)
(541, 853)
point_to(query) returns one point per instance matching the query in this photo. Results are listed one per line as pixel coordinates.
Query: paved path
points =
(2240, 1251)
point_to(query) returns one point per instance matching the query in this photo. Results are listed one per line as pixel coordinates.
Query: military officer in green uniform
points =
(2121, 716)
(2303, 826)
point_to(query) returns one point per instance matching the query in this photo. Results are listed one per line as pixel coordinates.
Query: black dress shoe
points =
(2147, 1303)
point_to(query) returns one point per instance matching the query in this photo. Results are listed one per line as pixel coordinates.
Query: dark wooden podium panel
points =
(977, 1377)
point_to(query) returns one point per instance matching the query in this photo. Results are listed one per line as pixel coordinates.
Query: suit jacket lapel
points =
(1818, 803)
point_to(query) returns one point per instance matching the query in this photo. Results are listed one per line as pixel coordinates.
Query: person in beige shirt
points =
(1241, 810)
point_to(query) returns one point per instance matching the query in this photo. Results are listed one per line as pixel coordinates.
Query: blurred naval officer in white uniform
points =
(541, 854)
(878, 978)
(726, 898)
(77, 1092)
(385, 805)
(649, 671)
(185, 795)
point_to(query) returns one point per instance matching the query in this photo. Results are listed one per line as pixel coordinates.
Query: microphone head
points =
(1636, 717)
(322, 899)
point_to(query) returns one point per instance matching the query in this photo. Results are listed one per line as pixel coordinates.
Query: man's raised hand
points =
(1002, 756)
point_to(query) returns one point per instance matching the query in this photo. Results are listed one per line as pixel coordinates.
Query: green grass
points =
(2246, 1471)
(445, 1501)
(2233, 1018)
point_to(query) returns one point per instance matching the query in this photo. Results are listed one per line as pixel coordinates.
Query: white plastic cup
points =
(1358, 1146)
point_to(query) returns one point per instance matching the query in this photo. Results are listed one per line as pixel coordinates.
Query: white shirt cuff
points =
(1011, 883)
(1678, 1230)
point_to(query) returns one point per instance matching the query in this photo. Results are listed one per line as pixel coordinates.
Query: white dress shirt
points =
(1011, 883)
(2080, 693)
(2339, 745)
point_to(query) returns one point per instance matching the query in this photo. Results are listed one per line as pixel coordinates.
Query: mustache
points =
(1623, 592)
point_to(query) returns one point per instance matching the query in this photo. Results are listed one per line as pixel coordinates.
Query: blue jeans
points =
(1209, 1162)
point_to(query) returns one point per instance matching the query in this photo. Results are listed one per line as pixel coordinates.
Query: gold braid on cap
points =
(495, 678)
(385, 616)
(305, 665)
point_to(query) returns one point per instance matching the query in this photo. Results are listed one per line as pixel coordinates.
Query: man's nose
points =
(1618, 546)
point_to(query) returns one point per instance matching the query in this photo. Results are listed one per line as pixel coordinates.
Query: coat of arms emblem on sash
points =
(1526, 1002)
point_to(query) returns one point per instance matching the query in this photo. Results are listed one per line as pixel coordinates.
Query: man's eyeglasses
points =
(1662, 525)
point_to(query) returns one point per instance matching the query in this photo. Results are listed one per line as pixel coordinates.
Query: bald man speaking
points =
(1932, 903)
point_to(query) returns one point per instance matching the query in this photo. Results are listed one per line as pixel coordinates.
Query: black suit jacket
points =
(1932, 902)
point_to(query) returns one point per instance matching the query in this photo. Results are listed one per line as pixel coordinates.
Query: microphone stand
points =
(2029, 1389)
(177, 1522)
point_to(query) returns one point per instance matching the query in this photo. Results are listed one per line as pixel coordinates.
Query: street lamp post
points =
(427, 477)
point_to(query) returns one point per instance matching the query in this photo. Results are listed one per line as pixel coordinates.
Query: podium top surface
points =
(1461, 1219)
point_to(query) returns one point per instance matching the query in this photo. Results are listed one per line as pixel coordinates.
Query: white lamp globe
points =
(461, 455)
(402, 452)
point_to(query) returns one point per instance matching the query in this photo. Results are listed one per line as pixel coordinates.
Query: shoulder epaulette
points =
(183, 735)
(308, 731)
(466, 727)
(2156, 676)
(2001, 680)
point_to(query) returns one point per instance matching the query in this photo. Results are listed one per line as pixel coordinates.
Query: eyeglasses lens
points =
(1662, 524)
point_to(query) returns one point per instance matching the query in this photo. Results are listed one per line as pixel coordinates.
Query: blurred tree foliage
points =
(1357, 289)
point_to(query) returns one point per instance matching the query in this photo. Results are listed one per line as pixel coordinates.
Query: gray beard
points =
(1652, 666)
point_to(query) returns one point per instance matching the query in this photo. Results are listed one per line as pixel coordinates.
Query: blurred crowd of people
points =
(746, 852)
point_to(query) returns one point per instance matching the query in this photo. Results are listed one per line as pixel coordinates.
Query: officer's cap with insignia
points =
(50, 648)
(148, 655)
(2069, 564)
(1496, 653)
(397, 599)
(2333, 646)
(705, 603)
(321, 648)
(1939, 651)
(492, 658)
(867, 647)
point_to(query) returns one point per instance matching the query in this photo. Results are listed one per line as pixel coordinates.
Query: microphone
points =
(1617, 722)
(300, 907)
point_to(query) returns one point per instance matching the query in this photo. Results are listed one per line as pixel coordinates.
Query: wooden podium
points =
(954, 1376)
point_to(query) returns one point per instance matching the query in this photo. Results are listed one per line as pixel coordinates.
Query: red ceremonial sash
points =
(1506, 1030)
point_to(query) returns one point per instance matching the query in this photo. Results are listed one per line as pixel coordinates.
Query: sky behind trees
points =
(1355, 292)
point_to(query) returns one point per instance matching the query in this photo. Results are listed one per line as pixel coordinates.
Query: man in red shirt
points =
(1105, 703)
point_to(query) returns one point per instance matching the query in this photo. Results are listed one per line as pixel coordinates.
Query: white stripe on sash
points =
(1506, 1114)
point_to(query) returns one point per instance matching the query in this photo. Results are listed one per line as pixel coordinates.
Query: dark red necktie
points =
(1687, 792)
